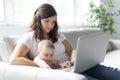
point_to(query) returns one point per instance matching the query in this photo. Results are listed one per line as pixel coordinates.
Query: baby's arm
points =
(41, 63)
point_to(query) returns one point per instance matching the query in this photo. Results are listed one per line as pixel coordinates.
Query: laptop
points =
(90, 51)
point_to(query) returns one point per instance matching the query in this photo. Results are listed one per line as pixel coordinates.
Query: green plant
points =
(99, 17)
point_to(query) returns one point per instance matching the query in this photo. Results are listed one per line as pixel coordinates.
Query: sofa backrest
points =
(7, 44)
(72, 35)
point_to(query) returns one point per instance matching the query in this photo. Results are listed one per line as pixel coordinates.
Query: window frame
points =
(1, 21)
(8, 9)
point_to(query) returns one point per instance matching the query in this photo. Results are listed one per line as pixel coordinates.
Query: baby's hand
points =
(41, 63)
(45, 66)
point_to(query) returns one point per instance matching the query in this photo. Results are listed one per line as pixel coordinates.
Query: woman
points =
(44, 26)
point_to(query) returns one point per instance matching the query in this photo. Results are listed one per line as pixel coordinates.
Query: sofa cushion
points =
(109, 47)
(112, 59)
(115, 43)
(7, 44)
(16, 72)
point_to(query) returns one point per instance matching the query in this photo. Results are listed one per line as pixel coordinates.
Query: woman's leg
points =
(89, 77)
(102, 72)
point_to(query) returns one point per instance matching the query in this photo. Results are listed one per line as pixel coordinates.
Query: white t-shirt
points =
(29, 40)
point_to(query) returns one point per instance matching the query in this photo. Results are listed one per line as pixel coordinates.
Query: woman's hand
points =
(65, 64)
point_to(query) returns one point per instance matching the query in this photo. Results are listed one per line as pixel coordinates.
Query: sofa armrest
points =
(16, 72)
(115, 44)
(0, 57)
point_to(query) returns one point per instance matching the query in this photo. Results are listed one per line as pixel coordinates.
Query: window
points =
(24, 9)
(2, 16)
(65, 11)
(82, 8)
(70, 12)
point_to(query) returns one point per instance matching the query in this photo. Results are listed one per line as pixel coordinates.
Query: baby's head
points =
(45, 49)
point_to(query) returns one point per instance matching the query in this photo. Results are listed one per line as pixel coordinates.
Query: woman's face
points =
(48, 23)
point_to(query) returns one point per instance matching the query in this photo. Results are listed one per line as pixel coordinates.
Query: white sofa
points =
(17, 72)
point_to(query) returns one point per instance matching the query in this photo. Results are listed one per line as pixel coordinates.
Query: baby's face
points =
(46, 54)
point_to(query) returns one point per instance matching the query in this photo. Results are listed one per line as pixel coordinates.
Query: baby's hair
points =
(46, 43)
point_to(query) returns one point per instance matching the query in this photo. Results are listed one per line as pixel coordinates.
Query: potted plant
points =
(99, 17)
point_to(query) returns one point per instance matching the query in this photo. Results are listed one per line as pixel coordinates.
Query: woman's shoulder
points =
(28, 39)
(29, 33)
(28, 36)
(61, 36)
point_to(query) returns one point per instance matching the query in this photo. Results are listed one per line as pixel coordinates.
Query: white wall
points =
(18, 30)
(12, 30)
(116, 18)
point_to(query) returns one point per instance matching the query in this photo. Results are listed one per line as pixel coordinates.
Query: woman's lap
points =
(102, 72)
(89, 77)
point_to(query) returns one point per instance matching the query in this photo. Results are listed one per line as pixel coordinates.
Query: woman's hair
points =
(42, 12)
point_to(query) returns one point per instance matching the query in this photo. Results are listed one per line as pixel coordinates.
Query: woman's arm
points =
(68, 47)
(18, 56)
(69, 50)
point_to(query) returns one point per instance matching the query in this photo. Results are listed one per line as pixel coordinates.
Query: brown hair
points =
(44, 11)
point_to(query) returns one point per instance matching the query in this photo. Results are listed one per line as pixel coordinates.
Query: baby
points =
(44, 56)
